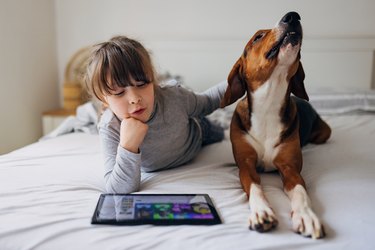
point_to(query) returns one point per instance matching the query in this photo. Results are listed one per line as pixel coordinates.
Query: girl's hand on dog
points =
(132, 133)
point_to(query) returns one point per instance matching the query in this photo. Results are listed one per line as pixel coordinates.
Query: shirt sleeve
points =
(206, 102)
(122, 167)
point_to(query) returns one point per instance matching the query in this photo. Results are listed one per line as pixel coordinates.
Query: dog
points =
(265, 126)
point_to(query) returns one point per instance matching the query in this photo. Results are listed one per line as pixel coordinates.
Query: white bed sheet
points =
(48, 192)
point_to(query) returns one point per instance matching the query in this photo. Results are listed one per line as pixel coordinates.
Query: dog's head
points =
(267, 49)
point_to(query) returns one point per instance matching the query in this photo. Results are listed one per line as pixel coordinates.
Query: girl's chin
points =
(143, 117)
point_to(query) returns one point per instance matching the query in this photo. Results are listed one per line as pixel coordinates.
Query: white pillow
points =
(344, 102)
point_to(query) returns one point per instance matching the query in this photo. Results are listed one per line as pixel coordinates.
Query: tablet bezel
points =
(216, 218)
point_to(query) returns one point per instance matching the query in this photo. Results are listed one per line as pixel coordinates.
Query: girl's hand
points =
(132, 133)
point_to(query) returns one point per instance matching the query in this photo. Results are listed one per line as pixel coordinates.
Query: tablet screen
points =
(158, 209)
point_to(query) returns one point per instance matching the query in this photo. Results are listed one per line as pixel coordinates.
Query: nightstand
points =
(53, 118)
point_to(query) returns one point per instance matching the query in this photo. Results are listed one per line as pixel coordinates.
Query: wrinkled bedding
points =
(49, 190)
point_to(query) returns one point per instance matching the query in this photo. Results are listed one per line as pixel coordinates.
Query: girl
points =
(145, 126)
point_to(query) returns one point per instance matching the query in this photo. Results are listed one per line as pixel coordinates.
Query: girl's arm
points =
(206, 102)
(122, 167)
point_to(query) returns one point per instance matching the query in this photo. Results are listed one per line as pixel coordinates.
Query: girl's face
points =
(135, 101)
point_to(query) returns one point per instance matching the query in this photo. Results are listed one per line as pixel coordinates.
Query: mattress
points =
(49, 190)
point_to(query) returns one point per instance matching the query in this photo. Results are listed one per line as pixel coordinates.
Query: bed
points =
(49, 190)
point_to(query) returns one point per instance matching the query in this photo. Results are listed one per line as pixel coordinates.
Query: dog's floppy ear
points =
(297, 85)
(236, 88)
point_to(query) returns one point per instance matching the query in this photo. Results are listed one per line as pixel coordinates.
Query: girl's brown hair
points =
(118, 62)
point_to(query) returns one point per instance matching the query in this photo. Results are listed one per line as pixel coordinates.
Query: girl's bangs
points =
(125, 70)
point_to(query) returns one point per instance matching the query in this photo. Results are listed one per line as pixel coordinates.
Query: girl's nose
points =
(134, 97)
(135, 100)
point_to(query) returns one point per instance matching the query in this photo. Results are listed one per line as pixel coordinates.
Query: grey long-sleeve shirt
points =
(173, 136)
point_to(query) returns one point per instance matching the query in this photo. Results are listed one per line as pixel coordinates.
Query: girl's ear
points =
(103, 107)
(105, 102)
(236, 88)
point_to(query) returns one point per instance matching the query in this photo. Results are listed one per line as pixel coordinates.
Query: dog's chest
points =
(266, 126)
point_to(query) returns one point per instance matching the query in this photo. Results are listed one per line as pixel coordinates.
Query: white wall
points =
(28, 70)
(198, 39)
(202, 39)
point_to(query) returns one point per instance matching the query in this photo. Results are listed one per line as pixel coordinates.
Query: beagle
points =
(267, 124)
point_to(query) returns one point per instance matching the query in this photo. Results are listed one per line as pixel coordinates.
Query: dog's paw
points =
(306, 223)
(262, 220)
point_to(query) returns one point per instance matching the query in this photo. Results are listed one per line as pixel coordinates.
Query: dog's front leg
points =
(262, 217)
(304, 220)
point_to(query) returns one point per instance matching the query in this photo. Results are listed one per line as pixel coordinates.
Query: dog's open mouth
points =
(290, 37)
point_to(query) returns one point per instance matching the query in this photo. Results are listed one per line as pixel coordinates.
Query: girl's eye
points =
(119, 93)
(141, 84)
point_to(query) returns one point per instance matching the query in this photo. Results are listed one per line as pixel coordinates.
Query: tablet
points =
(157, 209)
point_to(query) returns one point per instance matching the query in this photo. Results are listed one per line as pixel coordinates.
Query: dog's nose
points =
(291, 17)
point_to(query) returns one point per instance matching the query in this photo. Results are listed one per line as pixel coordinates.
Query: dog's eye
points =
(259, 36)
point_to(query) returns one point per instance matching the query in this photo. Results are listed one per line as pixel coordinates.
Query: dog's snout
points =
(291, 17)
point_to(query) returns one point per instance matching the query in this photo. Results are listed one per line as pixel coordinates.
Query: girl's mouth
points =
(138, 111)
